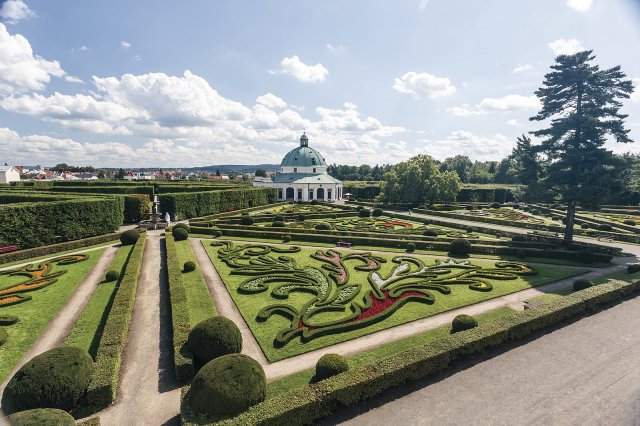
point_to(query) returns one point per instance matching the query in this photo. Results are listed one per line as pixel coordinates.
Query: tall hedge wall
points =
(38, 223)
(186, 205)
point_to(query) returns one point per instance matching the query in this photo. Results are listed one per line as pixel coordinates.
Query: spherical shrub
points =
(330, 365)
(430, 233)
(179, 234)
(42, 417)
(358, 208)
(463, 322)
(581, 284)
(278, 218)
(323, 226)
(183, 226)
(217, 233)
(213, 338)
(376, 212)
(605, 227)
(227, 385)
(460, 247)
(278, 224)
(584, 225)
(247, 220)
(469, 230)
(286, 238)
(411, 247)
(189, 266)
(364, 213)
(630, 222)
(632, 269)
(314, 202)
(8, 319)
(468, 207)
(54, 379)
(3, 335)
(111, 276)
(128, 238)
(520, 254)
(495, 205)
(301, 218)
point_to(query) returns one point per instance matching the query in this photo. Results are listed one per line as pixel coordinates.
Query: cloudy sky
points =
(159, 83)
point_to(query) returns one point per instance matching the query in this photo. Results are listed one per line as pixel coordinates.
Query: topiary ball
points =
(411, 247)
(330, 365)
(581, 284)
(111, 276)
(54, 379)
(3, 335)
(463, 322)
(631, 269)
(182, 226)
(301, 218)
(227, 385)
(605, 227)
(430, 233)
(364, 213)
(469, 230)
(247, 220)
(460, 247)
(323, 226)
(217, 233)
(278, 218)
(213, 338)
(180, 234)
(128, 238)
(189, 266)
(286, 238)
(630, 222)
(278, 224)
(584, 225)
(376, 212)
(42, 417)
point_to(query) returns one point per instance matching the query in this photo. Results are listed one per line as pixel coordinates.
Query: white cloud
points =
(294, 67)
(507, 103)
(424, 85)
(461, 142)
(73, 79)
(566, 46)
(522, 68)
(82, 48)
(336, 49)
(580, 5)
(125, 44)
(635, 96)
(14, 11)
(20, 69)
(271, 101)
(514, 122)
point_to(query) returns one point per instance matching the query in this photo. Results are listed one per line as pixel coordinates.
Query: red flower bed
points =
(393, 223)
(379, 306)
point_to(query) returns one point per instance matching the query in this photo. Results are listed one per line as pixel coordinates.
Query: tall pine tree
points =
(582, 103)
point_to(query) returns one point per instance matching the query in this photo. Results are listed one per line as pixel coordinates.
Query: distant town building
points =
(139, 176)
(303, 176)
(9, 174)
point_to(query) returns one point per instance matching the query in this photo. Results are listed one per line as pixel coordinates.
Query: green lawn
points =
(199, 301)
(36, 313)
(460, 295)
(302, 378)
(87, 331)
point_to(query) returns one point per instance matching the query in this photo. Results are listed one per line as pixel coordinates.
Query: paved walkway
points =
(586, 373)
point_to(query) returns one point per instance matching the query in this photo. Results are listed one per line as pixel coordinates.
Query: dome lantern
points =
(304, 140)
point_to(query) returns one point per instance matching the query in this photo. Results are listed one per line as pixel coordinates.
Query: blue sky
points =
(170, 84)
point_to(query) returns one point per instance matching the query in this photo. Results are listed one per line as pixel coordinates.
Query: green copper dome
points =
(303, 156)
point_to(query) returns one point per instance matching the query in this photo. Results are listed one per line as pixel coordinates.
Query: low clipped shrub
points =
(217, 233)
(278, 224)
(3, 335)
(630, 222)
(358, 208)
(460, 247)
(586, 256)
(584, 225)
(247, 220)
(278, 218)
(129, 238)
(469, 230)
(520, 254)
(411, 247)
(111, 276)
(286, 238)
(330, 365)
(605, 227)
(56, 378)
(468, 207)
(581, 284)
(42, 417)
(227, 385)
(631, 269)
(495, 205)
(323, 226)
(301, 218)
(180, 234)
(376, 212)
(364, 213)
(314, 202)
(214, 337)
(519, 238)
(463, 322)
(430, 233)
(8, 319)
(182, 226)
(189, 266)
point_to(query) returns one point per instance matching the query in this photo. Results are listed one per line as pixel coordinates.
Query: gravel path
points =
(148, 393)
(61, 325)
(586, 373)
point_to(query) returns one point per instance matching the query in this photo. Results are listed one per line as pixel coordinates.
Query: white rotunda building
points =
(303, 176)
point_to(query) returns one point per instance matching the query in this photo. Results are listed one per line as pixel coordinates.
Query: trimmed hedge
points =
(182, 225)
(104, 382)
(460, 247)
(179, 234)
(3, 335)
(213, 338)
(129, 237)
(463, 322)
(111, 276)
(581, 284)
(330, 365)
(632, 269)
(189, 266)
(56, 378)
(42, 417)
(136, 208)
(306, 405)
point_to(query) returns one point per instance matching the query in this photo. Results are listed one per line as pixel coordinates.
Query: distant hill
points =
(237, 168)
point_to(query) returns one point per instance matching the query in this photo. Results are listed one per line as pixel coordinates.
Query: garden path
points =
(61, 325)
(148, 393)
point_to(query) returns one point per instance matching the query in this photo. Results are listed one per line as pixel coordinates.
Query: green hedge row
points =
(36, 224)
(236, 212)
(104, 382)
(526, 225)
(56, 248)
(182, 356)
(131, 189)
(136, 208)
(306, 405)
(193, 204)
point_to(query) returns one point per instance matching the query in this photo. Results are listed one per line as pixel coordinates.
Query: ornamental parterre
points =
(355, 303)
